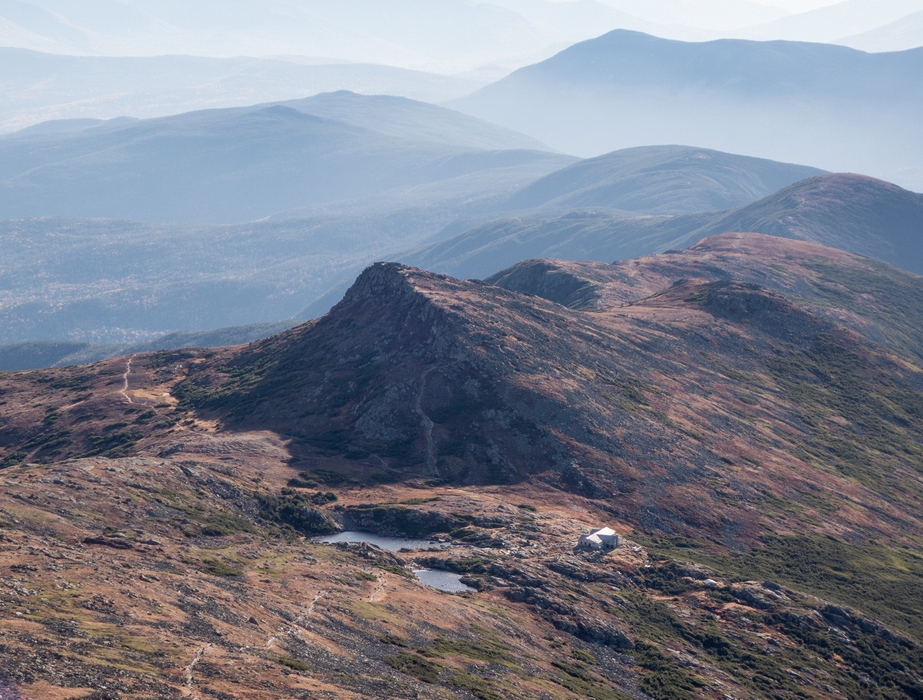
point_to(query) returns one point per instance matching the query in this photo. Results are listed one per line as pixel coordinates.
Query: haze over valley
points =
(461, 350)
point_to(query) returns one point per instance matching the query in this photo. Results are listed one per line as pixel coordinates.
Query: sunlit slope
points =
(851, 212)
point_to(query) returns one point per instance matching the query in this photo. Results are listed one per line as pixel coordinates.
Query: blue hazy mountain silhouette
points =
(243, 164)
(831, 106)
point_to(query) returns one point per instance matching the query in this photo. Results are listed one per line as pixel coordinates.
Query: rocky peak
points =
(383, 279)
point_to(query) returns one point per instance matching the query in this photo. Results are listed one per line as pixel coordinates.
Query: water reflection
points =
(443, 580)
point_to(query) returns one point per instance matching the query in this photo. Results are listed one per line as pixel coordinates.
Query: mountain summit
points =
(685, 365)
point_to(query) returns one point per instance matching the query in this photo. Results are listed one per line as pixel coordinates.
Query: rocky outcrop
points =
(398, 521)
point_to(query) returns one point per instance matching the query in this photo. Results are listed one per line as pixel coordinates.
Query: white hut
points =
(604, 538)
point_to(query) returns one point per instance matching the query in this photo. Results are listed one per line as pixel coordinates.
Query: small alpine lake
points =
(443, 580)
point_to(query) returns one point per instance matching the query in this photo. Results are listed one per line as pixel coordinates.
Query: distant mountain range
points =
(850, 212)
(37, 87)
(110, 58)
(902, 34)
(115, 282)
(340, 180)
(233, 165)
(119, 282)
(450, 35)
(300, 267)
(836, 21)
(831, 106)
(413, 120)
(38, 354)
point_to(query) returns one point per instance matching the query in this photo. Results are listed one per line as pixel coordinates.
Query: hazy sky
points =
(441, 36)
(797, 5)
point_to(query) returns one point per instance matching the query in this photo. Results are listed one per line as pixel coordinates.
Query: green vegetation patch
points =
(49, 441)
(578, 679)
(312, 478)
(395, 640)
(584, 656)
(468, 565)
(655, 624)
(215, 523)
(112, 444)
(219, 567)
(629, 391)
(478, 687)
(885, 417)
(413, 665)
(488, 650)
(319, 499)
(395, 569)
(294, 664)
(850, 286)
(663, 680)
(297, 512)
(884, 583)
(13, 459)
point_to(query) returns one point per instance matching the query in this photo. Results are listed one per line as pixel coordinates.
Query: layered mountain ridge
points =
(856, 213)
(297, 265)
(415, 373)
(243, 164)
(834, 107)
(746, 414)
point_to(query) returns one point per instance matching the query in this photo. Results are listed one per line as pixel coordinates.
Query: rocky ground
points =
(757, 450)
(113, 589)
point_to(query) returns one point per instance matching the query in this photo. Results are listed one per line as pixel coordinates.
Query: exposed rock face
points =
(397, 521)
